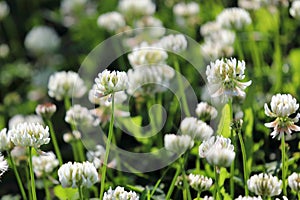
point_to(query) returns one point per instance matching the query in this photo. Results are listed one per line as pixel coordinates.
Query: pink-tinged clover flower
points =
(282, 106)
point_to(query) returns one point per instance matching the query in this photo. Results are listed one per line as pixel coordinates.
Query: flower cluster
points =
(4, 10)
(15, 120)
(46, 110)
(294, 181)
(199, 182)
(77, 174)
(173, 43)
(224, 78)
(120, 194)
(44, 164)
(295, 9)
(81, 116)
(132, 8)
(248, 198)
(5, 141)
(65, 84)
(178, 143)
(112, 21)
(196, 129)
(282, 106)
(218, 151)
(205, 111)
(186, 13)
(234, 18)
(264, 185)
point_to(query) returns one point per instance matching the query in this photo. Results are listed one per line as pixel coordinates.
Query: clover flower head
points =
(133, 8)
(46, 110)
(65, 84)
(3, 165)
(282, 106)
(157, 29)
(78, 174)
(4, 10)
(264, 185)
(197, 129)
(120, 194)
(234, 18)
(295, 9)
(294, 181)
(178, 143)
(218, 151)
(4, 48)
(111, 21)
(186, 9)
(211, 50)
(44, 164)
(146, 81)
(224, 78)
(29, 135)
(174, 43)
(248, 198)
(109, 82)
(81, 116)
(205, 111)
(5, 141)
(209, 28)
(199, 182)
(146, 54)
(15, 120)
(42, 40)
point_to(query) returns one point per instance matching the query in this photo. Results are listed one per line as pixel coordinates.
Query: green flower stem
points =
(171, 188)
(19, 181)
(110, 134)
(232, 166)
(67, 103)
(46, 187)
(244, 155)
(186, 188)
(284, 167)
(238, 46)
(74, 149)
(181, 88)
(80, 192)
(277, 55)
(54, 141)
(158, 182)
(80, 150)
(198, 195)
(217, 188)
(32, 180)
(298, 194)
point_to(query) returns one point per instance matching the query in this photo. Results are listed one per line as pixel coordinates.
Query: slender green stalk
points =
(19, 181)
(158, 182)
(80, 192)
(283, 170)
(232, 166)
(298, 195)
(32, 180)
(186, 188)
(80, 150)
(217, 188)
(244, 155)
(54, 141)
(67, 103)
(171, 188)
(74, 149)
(277, 57)
(110, 133)
(181, 88)
(239, 48)
(198, 195)
(46, 187)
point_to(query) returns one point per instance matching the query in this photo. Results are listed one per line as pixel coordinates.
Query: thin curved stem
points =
(32, 180)
(19, 181)
(158, 182)
(171, 188)
(80, 192)
(47, 192)
(243, 149)
(110, 134)
(283, 170)
(217, 188)
(54, 141)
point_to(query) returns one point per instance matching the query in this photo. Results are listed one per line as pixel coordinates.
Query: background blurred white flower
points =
(133, 8)
(234, 18)
(5, 141)
(294, 181)
(173, 43)
(65, 84)
(4, 10)
(42, 40)
(186, 9)
(156, 28)
(178, 143)
(4, 50)
(44, 164)
(264, 185)
(248, 198)
(45, 110)
(120, 193)
(204, 111)
(111, 21)
(81, 116)
(197, 129)
(295, 9)
(24, 118)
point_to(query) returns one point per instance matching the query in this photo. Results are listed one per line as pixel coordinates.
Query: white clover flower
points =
(4, 50)
(146, 54)
(146, 81)
(81, 116)
(109, 82)
(234, 18)
(45, 110)
(282, 106)
(119, 193)
(295, 9)
(70, 6)
(71, 136)
(42, 40)
(19, 154)
(44, 164)
(186, 9)
(29, 135)
(97, 157)
(199, 182)
(77, 174)
(223, 37)
(178, 143)
(250, 4)
(294, 181)
(264, 185)
(15, 120)
(196, 129)
(283, 198)
(224, 78)
(4, 10)
(248, 198)
(209, 28)
(133, 8)
(5, 141)
(65, 84)
(218, 151)
(3, 165)
(174, 43)
(156, 29)
(211, 50)
(206, 111)
(111, 21)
